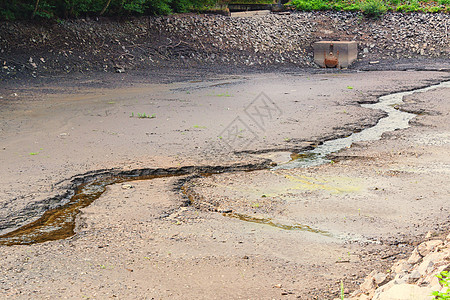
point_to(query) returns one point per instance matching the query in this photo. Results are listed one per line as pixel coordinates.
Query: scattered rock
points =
(414, 276)
(192, 40)
(406, 292)
(448, 237)
(119, 69)
(368, 284)
(429, 234)
(401, 266)
(380, 278)
(413, 279)
(426, 247)
(415, 257)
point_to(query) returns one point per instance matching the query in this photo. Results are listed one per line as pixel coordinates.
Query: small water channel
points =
(396, 119)
(59, 223)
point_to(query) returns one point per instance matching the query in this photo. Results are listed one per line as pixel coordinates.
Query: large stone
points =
(369, 283)
(401, 266)
(339, 54)
(401, 278)
(380, 278)
(414, 276)
(426, 247)
(448, 237)
(415, 257)
(379, 291)
(425, 267)
(430, 279)
(407, 292)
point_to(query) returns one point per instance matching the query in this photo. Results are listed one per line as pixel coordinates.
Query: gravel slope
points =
(218, 42)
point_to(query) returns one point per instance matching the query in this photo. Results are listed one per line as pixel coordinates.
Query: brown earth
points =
(365, 211)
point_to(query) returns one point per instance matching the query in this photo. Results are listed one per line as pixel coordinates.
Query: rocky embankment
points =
(410, 279)
(213, 41)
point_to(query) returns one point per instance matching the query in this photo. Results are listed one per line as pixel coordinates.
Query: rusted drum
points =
(331, 61)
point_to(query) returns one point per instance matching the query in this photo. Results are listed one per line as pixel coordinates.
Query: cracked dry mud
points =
(140, 240)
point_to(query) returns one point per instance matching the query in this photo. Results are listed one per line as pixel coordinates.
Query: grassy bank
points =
(373, 7)
(63, 9)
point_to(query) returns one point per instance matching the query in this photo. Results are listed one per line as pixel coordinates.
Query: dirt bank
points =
(219, 43)
(363, 212)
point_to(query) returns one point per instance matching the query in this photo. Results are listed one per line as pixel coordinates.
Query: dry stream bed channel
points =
(259, 186)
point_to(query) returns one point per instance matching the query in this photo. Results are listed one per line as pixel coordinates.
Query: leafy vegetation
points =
(26, 9)
(58, 9)
(373, 8)
(142, 116)
(252, 1)
(444, 280)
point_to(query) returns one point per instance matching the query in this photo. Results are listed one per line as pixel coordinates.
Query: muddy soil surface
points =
(333, 222)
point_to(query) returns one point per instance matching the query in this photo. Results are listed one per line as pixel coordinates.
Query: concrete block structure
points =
(335, 54)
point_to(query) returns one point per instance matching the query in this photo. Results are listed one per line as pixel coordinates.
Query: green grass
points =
(142, 116)
(226, 94)
(373, 8)
(252, 2)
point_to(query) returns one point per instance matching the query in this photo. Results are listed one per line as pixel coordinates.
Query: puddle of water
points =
(301, 227)
(396, 119)
(334, 185)
(269, 222)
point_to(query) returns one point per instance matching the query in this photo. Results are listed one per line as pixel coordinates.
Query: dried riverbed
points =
(139, 238)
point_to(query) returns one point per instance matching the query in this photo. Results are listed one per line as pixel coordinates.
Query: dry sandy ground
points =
(363, 212)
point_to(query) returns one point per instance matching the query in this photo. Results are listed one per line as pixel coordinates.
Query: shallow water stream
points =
(395, 120)
(59, 223)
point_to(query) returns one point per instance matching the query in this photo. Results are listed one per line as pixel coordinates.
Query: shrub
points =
(444, 280)
(373, 8)
(23, 9)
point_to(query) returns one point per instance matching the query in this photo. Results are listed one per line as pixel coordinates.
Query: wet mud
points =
(59, 223)
(285, 233)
